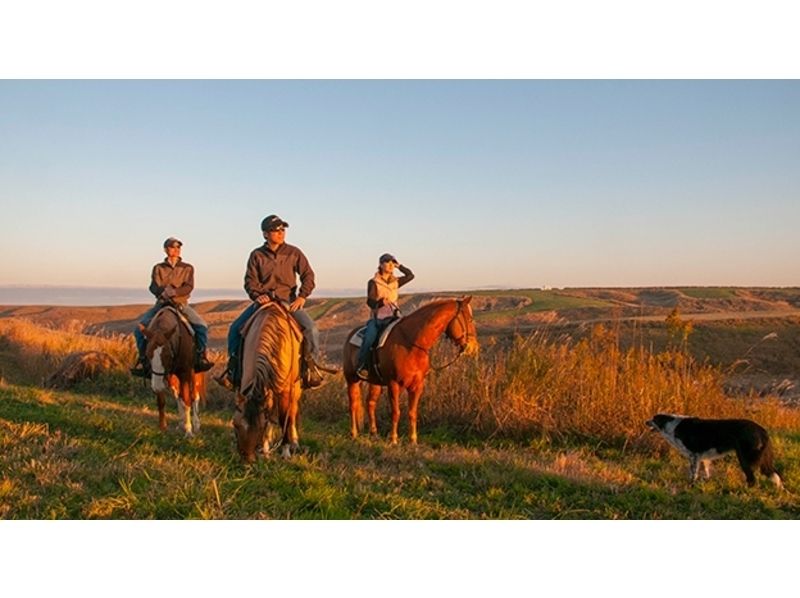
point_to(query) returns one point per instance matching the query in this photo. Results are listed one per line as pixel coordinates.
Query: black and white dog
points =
(703, 440)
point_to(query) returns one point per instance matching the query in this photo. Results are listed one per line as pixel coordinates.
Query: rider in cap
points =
(172, 281)
(382, 296)
(272, 271)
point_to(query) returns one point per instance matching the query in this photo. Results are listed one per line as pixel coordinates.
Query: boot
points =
(312, 377)
(362, 371)
(201, 362)
(227, 378)
(141, 369)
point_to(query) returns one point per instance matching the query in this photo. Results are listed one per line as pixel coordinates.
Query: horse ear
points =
(145, 331)
(170, 332)
(467, 299)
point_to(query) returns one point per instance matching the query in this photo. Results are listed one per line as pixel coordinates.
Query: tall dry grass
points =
(36, 349)
(590, 389)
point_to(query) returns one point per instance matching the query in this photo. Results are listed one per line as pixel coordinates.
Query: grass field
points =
(549, 428)
(82, 455)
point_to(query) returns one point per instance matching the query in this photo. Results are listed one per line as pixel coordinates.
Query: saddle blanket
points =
(358, 338)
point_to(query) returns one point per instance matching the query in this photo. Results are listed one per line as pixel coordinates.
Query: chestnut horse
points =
(271, 382)
(170, 349)
(404, 360)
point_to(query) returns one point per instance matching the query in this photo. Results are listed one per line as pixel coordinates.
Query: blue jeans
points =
(310, 332)
(200, 331)
(374, 327)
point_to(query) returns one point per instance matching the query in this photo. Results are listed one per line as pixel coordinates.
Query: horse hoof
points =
(286, 451)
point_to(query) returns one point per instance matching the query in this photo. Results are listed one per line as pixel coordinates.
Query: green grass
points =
(540, 301)
(89, 455)
(709, 292)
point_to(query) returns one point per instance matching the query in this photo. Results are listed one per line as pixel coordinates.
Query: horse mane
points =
(161, 316)
(277, 365)
(423, 310)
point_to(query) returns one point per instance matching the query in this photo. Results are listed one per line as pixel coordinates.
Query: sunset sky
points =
(472, 184)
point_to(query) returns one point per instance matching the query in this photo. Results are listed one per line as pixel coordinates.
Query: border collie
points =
(703, 440)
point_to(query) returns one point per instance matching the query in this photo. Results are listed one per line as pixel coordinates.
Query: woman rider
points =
(382, 295)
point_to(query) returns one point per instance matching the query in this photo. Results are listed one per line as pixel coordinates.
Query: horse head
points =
(160, 352)
(249, 426)
(461, 329)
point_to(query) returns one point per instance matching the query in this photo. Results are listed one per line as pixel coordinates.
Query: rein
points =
(461, 348)
(172, 354)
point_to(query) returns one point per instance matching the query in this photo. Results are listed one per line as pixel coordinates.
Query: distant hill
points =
(497, 312)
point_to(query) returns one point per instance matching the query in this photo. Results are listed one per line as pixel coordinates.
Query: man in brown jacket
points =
(272, 272)
(172, 281)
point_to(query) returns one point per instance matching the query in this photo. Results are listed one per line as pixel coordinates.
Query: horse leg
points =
(184, 400)
(372, 404)
(294, 408)
(162, 415)
(285, 421)
(268, 438)
(394, 395)
(354, 393)
(195, 404)
(413, 404)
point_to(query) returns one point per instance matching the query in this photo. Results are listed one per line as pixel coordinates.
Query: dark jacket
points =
(275, 273)
(180, 277)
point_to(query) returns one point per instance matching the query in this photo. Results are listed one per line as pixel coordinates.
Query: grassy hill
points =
(543, 424)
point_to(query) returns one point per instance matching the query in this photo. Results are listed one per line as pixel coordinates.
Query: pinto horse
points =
(170, 349)
(404, 360)
(271, 382)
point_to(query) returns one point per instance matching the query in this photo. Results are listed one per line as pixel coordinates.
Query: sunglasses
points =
(280, 229)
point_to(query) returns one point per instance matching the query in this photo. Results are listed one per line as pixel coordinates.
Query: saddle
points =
(357, 338)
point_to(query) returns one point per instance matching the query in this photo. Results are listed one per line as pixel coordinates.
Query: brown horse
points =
(170, 349)
(271, 383)
(404, 360)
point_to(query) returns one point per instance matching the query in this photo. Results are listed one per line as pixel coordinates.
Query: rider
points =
(171, 282)
(272, 271)
(382, 295)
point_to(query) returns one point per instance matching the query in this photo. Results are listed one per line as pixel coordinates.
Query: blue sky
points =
(471, 183)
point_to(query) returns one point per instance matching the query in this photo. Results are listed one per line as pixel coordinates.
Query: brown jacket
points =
(274, 273)
(180, 277)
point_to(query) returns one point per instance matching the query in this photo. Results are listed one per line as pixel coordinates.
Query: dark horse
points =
(270, 387)
(170, 349)
(404, 360)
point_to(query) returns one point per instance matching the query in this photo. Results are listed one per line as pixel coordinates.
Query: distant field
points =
(708, 292)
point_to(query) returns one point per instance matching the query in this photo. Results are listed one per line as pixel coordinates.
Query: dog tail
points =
(767, 464)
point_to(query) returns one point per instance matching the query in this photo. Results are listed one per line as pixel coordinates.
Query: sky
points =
(472, 184)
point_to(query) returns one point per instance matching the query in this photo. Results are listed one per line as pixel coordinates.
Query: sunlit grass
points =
(546, 427)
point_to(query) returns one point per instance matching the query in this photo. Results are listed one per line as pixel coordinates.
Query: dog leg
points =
(747, 464)
(694, 469)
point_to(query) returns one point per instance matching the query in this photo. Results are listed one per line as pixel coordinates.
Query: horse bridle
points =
(166, 345)
(465, 326)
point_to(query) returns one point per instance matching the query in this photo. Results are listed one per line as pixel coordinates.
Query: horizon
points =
(98, 296)
(470, 183)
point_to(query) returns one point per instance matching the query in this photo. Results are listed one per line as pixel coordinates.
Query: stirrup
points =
(225, 380)
(202, 365)
(141, 369)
